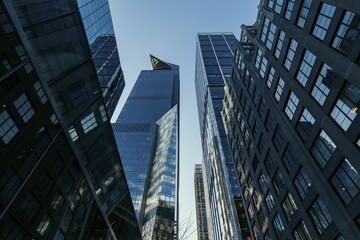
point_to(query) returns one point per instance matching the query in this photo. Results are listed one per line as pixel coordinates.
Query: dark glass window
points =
(262, 181)
(278, 138)
(323, 148)
(290, 54)
(30, 207)
(305, 7)
(347, 33)
(301, 232)
(306, 66)
(24, 107)
(278, 182)
(291, 105)
(262, 106)
(323, 84)
(302, 183)
(288, 158)
(305, 124)
(320, 215)
(8, 128)
(289, 9)
(261, 144)
(346, 181)
(57, 201)
(279, 44)
(45, 226)
(289, 206)
(9, 184)
(279, 89)
(323, 20)
(347, 106)
(270, 77)
(269, 162)
(261, 217)
(278, 225)
(40, 92)
(269, 121)
(269, 199)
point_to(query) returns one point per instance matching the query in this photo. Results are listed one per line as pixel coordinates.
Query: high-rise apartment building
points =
(99, 30)
(291, 116)
(201, 217)
(60, 171)
(214, 54)
(147, 134)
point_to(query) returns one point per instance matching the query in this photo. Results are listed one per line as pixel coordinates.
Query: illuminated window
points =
(278, 6)
(45, 225)
(270, 77)
(73, 133)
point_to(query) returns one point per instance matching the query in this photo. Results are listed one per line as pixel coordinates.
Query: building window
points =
(346, 181)
(261, 217)
(103, 113)
(262, 106)
(323, 21)
(258, 58)
(278, 138)
(278, 225)
(250, 211)
(8, 128)
(45, 226)
(271, 4)
(304, 12)
(9, 184)
(30, 207)
(256, 97)
(320, 215)
(347, 33)
(40, 92)
(262, 182)
(306, 66)
(269, 121)
(270, 202)
(323, 84)
(323, 149)
(290, 54)
(305, 124)
(278, 6)
(288, 158)
(271, 36)
(278, 182)
(289, 9)
(260, 63)
(279, 44)
(24, 107)
(263, 67)
(73, 133)
(270, 77)
(301, 232)
(291, 105)
(347, 106)
(279, 89)
(59, 235)
(289, 206)
(57, 201)
(269, 162)
(89, 122)
(265, 30)
(302, 183)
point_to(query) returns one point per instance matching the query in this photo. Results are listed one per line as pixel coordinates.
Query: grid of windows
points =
(278, 225)
(270, 77)
(305, 124)
(289, 9)
(291, 105)
(40, 92)
(305, 7)
(289, 206)
(290, 54)
(346, 181)
(323, 84)
(323, 149)
(279, 89)
(89, 122)
(279, 44)
(320, 215)
(8, 128)
(24, 107)
(323, 20)
(301, 232)
(302, 183)
(346, 107)
(306, 66)
(347, 33)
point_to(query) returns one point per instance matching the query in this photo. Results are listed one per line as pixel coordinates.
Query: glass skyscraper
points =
(291, 116)
(60, 172)
(147, 134)
(214, 54)
(99, 30)
(201, 217)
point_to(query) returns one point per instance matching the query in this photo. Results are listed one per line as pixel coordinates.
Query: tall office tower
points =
(214, 53)
(147, 134)
(291, 114)
(201, 218)
(60, 172)
(100, 34)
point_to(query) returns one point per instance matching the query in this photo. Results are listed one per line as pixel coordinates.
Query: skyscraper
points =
(291, 116)
(147, 134)
(214, 53)
(60, 174)
(201, 217)
(99, 30)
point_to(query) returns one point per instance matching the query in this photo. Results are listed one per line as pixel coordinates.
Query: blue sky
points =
(167, 29)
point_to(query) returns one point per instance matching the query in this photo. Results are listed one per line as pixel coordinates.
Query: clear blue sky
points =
(167, 29)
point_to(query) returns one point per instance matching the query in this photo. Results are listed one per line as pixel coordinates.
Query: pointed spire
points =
(158, 64)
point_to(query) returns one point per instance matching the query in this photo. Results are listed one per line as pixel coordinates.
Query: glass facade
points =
(99, 30)
(201, 220)
(146, 132)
